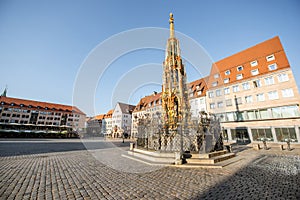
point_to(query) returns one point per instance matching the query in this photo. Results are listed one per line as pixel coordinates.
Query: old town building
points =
(21, 115)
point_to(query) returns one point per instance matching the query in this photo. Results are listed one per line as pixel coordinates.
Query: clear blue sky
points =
(44, 43)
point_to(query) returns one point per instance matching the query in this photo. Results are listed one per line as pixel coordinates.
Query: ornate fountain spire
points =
(175, 97)
(171, 22)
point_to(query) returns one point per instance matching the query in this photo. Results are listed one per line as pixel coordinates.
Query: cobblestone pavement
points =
(38, 170)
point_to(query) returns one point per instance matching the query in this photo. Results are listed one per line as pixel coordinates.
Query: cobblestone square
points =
(64, 169)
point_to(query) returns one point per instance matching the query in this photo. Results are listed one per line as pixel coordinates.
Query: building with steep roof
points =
(42, 116)
(121, 119)
(107, 123)
(197, 97)
(94, 125)
(255, 93)
(152, 105)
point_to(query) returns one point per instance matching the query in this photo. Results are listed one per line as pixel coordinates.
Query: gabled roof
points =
(152, 100)
(148, 101)
(198, 87)
(40, 105)
(108, 114)
(257, 53)
(126, 108)
(99, 117)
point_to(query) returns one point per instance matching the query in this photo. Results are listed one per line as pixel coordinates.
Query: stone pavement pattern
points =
(69, 174)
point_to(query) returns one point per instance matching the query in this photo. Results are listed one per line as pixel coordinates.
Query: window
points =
(273, 95)
(235, 88)
(272, 66)
(226, 80)
(261, 133)
(238, 100)
(284, 134)
(254, 63)
(231, 117)
(283, 77)
(210, 94)
(201, 101)
(260, 97)
(239, 68)
(227, 72)
(218, 93)
(214, 84)
(256, 83)
(252, 114)
(220, 104)
(228, 102)
(290, 111)
(270, 57)
(269, 80)
(216, 76)
(276, 112)
(264, 114)
(248, 99)
(227, 90)
(287, 92)
(254, 72)
(212, 106)
(246, 86)
(239, 76)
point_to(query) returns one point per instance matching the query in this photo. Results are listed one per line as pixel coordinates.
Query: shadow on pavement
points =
(27, 147)
(264, 178)
(239, 148)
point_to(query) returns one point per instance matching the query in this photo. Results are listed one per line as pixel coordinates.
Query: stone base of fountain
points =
(217, 159)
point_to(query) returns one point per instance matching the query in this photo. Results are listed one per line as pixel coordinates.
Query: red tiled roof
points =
(41, 105)
(99, 117)
(258, 52)
(145, 101)
(108, 114)
(198, 85)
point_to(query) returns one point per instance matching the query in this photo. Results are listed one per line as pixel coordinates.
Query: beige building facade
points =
(255, 95)
(35, 116)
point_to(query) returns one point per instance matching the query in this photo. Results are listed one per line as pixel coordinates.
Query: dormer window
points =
(239, 68)
(270, 58)
(254, 72)
(227, 72)
(216, 76)
(254, 63)
(239, 76)
(272, 66)
(226, 80)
